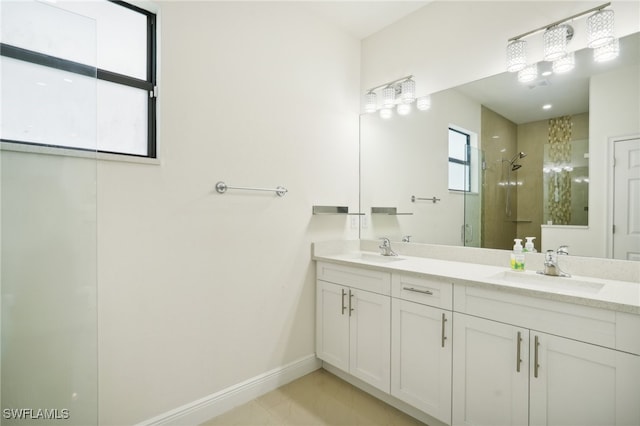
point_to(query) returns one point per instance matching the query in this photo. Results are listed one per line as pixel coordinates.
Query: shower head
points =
(518, 155)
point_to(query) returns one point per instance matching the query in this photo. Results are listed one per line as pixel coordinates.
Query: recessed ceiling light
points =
(546, 73)
(546, 106)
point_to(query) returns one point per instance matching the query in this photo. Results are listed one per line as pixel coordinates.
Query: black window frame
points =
(149, 84)
(466, 162)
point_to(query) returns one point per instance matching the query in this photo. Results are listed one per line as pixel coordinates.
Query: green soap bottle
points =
(517, 256)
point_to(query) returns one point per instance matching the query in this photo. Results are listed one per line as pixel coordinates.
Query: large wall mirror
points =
(497, 159)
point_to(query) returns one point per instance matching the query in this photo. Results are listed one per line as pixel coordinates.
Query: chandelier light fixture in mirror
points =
(398, 94)
(556, 38)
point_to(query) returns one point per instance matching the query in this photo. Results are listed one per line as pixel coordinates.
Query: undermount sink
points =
(533, 279)
(375, 258)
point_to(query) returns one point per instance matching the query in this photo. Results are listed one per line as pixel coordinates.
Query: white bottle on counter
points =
(529, 247)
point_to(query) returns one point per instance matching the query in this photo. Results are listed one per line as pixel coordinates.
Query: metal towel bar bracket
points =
(222, 187)
(434, 199)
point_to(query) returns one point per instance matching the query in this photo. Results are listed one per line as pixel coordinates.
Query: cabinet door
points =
(332, 324)
(576, 383)
(490, 384)
(421, 357)
(370, 338)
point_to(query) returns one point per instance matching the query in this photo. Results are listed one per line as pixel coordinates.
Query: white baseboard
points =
(201, 410)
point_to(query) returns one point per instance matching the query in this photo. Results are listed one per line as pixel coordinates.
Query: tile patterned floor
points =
(317, 399)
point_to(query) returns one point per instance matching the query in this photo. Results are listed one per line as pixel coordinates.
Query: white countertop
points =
(622, 296)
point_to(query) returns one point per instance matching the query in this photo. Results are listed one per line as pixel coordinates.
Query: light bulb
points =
(386, 113)
(423, 103)
(607, 52)
(564, 64)
(516, 55)
(404, 109)
(528, 73)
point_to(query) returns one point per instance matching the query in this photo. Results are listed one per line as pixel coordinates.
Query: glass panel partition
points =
(48, 254)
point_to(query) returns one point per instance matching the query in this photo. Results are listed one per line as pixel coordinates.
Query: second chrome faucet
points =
(385, 248)
(551, 266)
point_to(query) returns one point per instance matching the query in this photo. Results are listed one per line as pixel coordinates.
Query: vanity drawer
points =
(360, 278)
(579, 322)
(628, 332)
(432, 291)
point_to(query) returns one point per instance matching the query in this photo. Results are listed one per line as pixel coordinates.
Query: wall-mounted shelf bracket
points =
(319, 210)
(389, 211)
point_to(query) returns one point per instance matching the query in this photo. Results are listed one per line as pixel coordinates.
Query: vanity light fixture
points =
(408, 91)
(371, 102)
(607, 51)
(386, 113)
(528, 73)
(399, 94)
(564, 64)
(388, 97)
(403, 109)
(557, 35)
(516, 55)
(600, 28)
(423, 103)
(556, 39)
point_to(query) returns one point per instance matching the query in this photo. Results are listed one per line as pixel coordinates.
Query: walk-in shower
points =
(48, 220)
(512, 167)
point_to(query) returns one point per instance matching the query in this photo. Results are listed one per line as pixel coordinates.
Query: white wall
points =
(448, 43)
(199, 291)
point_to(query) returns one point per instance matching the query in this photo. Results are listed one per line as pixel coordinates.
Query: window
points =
(459, 161)
(79, 75)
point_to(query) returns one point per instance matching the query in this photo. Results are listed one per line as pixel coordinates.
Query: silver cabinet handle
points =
(444, 320)
(518, 359)
(344, 293)
(536, 365)
(350, 297)
(417, 290)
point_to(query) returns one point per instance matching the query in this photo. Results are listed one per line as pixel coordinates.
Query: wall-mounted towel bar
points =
(434, 199)
(222, 187)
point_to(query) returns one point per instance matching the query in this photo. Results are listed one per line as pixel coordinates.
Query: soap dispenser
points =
(529, 247)
(517, 256)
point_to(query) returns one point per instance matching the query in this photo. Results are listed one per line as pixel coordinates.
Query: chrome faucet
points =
(385, 248)
(551, 266)
(406, 239)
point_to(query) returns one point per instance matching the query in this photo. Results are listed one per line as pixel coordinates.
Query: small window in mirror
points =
(459, 161)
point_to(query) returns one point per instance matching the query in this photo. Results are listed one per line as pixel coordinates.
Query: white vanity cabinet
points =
(421, 344)
(523, 360)
(353, 325)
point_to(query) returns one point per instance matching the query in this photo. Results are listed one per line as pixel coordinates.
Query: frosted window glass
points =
(122, 112)
(458, 176)
(48, 29)
(67, 30)
(457, 145)
(47, 106)
(122, 36)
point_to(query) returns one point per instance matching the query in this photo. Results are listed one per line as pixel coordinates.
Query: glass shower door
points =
(48, 234)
